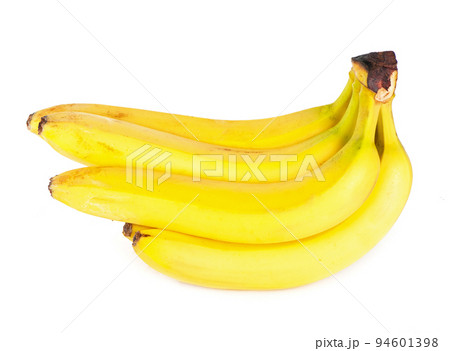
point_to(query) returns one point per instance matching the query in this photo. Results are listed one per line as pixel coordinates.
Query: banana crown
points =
(378, 72)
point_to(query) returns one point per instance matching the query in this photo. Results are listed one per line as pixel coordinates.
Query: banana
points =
(264, 133)
(224, 265)
(100, 141)
(233, 211)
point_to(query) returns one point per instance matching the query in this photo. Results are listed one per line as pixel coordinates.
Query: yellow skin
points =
(223, 265)
(231, 211)
(278, 131)
(100, 141)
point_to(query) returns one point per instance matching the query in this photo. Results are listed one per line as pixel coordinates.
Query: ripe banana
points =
(263, 133)
(224, 265)
(100, 141)
(232, 211)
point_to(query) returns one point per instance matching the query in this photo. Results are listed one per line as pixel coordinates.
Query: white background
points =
(236, 59)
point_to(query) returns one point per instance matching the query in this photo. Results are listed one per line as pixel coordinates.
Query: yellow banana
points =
(232, 211)
(264, 133)
(224, 265)
(100, 141)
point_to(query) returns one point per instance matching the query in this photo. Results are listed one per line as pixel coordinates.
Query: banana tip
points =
(35, 124)
(50, 186)
(41, 124)
(127, 229)
(30, 118)
(136, 238)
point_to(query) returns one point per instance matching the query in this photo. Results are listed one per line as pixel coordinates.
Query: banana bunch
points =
(256, 204)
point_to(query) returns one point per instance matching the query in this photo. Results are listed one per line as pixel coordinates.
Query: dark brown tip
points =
(127, 229)
(381, 68)
(50, 186)
(30, 117)
(137, 236)
(41, 124)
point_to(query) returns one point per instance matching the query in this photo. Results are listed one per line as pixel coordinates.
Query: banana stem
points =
(368, 111)
(386, 124)
(343, 99)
